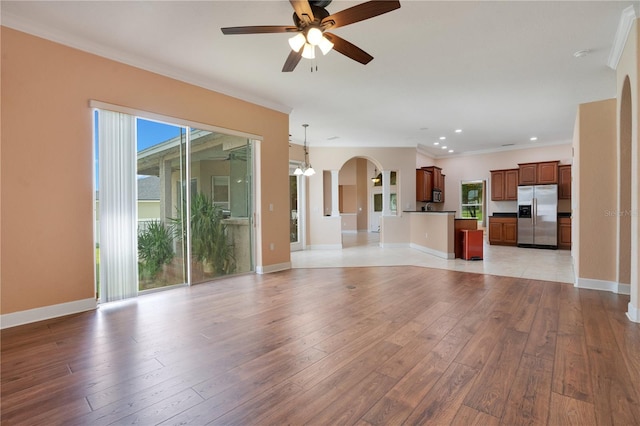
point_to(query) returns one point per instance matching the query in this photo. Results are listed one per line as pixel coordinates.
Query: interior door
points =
(295, 206)
(376, 212)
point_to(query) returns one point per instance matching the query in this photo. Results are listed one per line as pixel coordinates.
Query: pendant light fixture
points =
(375, 179)
(305, 168)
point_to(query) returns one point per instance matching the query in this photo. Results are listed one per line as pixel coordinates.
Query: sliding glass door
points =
(160, 172)
(189, 192)
(220, 233)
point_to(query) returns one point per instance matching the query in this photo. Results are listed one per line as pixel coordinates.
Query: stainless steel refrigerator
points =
(538, 216)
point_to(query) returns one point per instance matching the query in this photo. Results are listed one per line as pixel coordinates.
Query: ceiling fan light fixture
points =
(314, 36)
(309, 51)
(325, 45)
(296, 42)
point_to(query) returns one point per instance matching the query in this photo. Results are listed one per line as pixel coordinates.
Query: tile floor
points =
(363, 249)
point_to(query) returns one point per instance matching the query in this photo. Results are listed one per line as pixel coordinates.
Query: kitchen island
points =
(439, 232)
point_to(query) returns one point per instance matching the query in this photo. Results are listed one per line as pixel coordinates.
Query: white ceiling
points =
(502, 71)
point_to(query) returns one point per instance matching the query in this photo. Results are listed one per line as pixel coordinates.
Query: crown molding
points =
(19, 23)
(627, 19)
(421, 149)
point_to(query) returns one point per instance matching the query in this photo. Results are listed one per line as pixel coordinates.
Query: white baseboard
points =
(325, 247)
(46, 312)
(602, 285)
(624, 289)
(437, 253)
(633, 313)
(273, 268)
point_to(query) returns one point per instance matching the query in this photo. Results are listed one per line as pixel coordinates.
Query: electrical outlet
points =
(426, 235)
(272, 247)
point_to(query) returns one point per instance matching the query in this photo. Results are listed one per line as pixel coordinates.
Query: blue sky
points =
(152, 133)
(149, 133)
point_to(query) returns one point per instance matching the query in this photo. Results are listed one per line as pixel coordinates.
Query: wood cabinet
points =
(424, 185)
(564, 182)
(504, 185)
(438, 178)
(442, 196)
(428, 179)
(538, 173)
(564, 233)
(459, 225)
(503, 231)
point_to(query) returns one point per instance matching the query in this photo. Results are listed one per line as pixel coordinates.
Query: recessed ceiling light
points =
(444, 147)
(533, 138)
(424, 128)
(442, 138)
(436, 143)
(450, 151)
(458, 130)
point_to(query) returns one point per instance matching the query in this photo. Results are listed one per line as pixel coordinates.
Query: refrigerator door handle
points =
(534, 214)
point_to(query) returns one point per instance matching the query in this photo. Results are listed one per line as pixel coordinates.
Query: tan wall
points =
(362, 196)
(347, 175)
(629, 67)
(348, 200)
(434, 232)
(597, 200)
(395, 230)
(47, 159)
(296, 152)
(349, 222)
(576, 188)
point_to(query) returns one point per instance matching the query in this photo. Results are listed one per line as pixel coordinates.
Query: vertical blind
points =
(117, 208)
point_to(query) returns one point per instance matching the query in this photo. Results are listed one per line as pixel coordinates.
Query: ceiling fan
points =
(311, 22)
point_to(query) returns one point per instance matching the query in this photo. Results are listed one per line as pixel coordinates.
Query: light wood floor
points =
(332, 346)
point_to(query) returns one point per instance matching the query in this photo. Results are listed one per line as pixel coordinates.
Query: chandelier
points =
(305, 168)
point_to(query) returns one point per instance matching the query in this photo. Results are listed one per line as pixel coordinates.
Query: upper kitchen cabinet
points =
(504, 185)
(424, 185)
(438, 178)
(429, 180)
(538, 173)
(564, 182)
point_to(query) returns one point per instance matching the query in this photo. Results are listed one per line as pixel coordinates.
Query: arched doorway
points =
(361, 202)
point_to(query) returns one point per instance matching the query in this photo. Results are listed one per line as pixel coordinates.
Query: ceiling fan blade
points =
(359, 13)
(348, 49)
(292, 60)
(303, 10)
(260, 29)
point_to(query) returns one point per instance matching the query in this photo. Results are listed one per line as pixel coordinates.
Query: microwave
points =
(436, 196)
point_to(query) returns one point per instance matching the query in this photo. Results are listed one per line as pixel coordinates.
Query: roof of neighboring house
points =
(148, 189)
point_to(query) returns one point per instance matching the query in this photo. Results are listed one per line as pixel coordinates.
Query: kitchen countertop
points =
(504, 214)
(431, 211)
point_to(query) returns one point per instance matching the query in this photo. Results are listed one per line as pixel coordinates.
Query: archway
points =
(624, 184)
(357, 194)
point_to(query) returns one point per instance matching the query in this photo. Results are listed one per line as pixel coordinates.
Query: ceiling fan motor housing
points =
(320, 3)
(319, 13)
